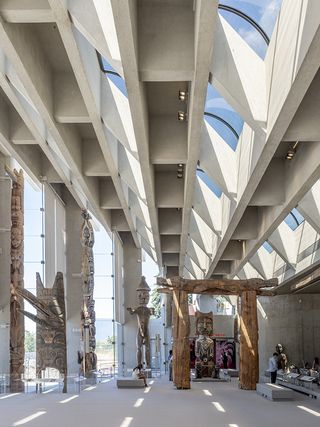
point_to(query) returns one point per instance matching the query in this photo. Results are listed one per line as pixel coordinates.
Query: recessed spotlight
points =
(183, 95)
(182, 116)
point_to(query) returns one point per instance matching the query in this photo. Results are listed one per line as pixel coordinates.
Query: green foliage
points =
(156, 302)
(29, 341)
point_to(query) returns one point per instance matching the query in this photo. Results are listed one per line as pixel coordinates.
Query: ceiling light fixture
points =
(183, 95)
(292, 151)
(182, 116)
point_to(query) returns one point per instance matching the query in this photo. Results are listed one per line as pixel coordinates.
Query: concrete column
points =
(73, 284)
(132, 270)
(5, 224)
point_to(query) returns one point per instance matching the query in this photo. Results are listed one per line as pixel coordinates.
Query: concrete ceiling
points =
(120, 153)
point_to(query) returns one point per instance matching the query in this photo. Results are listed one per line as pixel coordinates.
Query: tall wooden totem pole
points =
(17, 272)
(88, 316)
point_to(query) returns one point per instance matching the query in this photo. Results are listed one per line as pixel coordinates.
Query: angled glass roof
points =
(112, 75)
(267, 247)
(222, 117)
(294, 219)
(263, 13)
(208, 181)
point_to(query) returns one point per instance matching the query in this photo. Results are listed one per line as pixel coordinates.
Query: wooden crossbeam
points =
(217, 286)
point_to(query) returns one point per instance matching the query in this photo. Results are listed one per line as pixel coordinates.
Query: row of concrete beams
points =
(29, 72)
(297, 248)
(282, 107)
(63, 112)
(206, 15)
(129, 155)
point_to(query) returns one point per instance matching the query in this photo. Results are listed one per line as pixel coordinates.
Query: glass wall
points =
(104, 301)
(33, 263)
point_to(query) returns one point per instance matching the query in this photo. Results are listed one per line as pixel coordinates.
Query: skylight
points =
(208, 181)
(262, 14)
(222, 117)
(294, 219)
(267, 247)
(112, 75)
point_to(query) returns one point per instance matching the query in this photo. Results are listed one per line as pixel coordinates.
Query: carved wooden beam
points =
(216, 286)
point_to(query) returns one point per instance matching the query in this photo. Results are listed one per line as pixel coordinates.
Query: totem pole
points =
(51, 325)
(88, 316)
(143, 315)
(17, 272)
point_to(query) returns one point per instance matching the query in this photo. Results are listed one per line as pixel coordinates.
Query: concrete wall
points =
(5, 246)
(293, 321)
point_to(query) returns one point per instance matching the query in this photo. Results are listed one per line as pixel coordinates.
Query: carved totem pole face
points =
(205, 326)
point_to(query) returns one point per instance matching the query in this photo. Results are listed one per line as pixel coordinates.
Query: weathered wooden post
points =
(181, 328)
(249, 357)
(17, 269)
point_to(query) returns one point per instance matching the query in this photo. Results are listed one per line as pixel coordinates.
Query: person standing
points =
(273, 367)
(170, 362)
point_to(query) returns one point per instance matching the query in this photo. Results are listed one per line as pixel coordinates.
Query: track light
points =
(292, 151)
(179, 175)
(182, 116)
(183, 95)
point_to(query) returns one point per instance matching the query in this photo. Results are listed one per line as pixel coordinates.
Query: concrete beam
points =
(170, 259)
(126, 21)
(269, 192)
(170, 221)
(247, 227)
(68, 102)
(19, 132)
(108, 195)
(168, 140)
(169, 190)
(233, 251)
(204, 24)
(93, 162)
(166, 40)
(170, 243)
(26, 11)
(118, 221)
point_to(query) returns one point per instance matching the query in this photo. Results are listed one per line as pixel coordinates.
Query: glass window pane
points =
(30, 270)
(32, 197)
(104, 308)
(32, 249)
(103, 287)
(102, 265)
(33, 223)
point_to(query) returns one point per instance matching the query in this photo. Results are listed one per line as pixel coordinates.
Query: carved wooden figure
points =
(17, 272)
(143, 315)
(51, 325)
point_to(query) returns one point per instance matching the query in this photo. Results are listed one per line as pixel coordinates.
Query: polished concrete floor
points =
(205, 405)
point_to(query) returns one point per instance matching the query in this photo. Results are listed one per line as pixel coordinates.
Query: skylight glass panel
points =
(263, 13)
(222, 117)
(267, 247)
(294, 219)
(208, 181)
(112, 75)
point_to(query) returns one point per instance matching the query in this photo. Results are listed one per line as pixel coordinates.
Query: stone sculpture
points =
(51, 325)
(204, 347)
(88, 316)
(17, 272)
(143, 315)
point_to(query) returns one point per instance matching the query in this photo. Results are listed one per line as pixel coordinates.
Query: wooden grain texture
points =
(17, 273)
(181, 330)
(249, 356)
